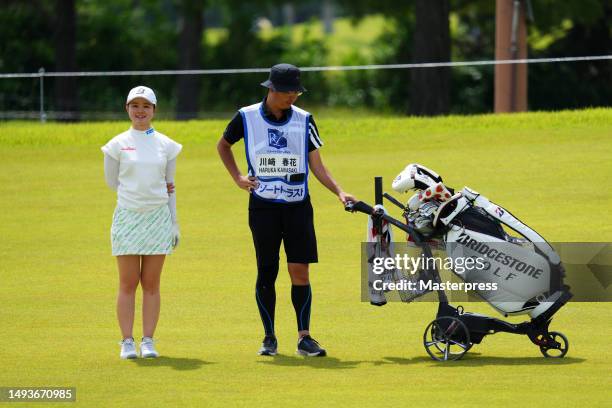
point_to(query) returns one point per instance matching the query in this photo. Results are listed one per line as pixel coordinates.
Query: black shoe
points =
(269, 346)
(307, 346)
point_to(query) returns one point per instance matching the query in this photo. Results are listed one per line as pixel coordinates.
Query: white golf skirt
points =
(141, 232)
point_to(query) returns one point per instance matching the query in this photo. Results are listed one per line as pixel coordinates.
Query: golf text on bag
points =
(499, 259)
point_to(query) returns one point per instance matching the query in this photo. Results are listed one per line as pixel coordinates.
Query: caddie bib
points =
(277, 154)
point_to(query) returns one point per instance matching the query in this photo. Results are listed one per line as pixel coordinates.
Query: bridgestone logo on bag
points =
(500, 257)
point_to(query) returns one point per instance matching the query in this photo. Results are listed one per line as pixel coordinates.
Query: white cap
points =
(142, 92)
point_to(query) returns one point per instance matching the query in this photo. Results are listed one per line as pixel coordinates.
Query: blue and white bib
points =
(277, 153)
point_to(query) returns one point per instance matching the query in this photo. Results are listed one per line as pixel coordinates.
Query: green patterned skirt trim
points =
(141, 233)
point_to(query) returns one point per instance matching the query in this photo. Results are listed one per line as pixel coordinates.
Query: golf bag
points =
(526, 270)
(518, 271)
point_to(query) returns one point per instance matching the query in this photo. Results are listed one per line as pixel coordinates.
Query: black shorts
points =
(291, 223)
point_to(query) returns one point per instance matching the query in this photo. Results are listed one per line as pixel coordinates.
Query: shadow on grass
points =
(475, 360)
(314, 362)
(176, 363)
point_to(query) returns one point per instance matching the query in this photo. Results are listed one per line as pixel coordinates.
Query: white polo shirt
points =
(142, 160)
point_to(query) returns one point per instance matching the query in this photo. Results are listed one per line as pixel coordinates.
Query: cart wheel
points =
(556, 349)
(441, 346)
(446, 338)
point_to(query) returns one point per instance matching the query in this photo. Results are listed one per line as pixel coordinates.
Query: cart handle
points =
(394, 201)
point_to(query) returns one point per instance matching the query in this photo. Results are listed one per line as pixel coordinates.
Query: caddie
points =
(282, 146)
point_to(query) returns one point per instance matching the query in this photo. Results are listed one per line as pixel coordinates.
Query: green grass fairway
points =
(58, 280)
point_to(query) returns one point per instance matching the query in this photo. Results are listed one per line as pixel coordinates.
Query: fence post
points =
(43, 115)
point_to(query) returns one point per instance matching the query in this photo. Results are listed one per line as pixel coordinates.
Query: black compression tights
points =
(265, 295)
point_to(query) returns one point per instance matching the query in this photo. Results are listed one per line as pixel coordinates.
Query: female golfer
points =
(140, 165)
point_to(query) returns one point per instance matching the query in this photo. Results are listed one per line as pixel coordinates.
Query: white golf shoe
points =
(147, 348)
(128, 349)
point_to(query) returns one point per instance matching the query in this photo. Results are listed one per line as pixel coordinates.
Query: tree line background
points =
(96, 35)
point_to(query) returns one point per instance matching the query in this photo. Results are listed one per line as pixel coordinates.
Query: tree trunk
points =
(288, 14)
(66, 99)
(430, 87)
(510, 43)
(327, 15)
(190, 46)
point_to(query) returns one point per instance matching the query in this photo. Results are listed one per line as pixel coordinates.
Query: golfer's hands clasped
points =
(346, 197)
(248, 183)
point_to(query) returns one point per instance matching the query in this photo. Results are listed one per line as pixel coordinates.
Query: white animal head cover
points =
(415, 176)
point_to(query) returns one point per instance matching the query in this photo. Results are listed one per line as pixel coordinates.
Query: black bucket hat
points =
(284, 78)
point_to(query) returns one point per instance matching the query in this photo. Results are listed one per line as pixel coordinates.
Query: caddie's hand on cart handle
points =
(346, 198)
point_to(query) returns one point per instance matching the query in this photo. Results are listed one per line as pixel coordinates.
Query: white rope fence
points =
(42, 74)
(305, 69)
